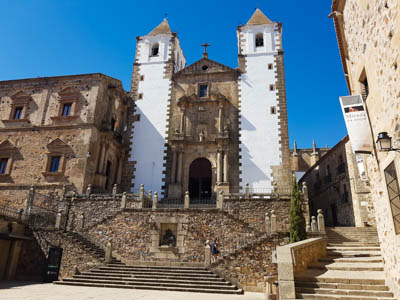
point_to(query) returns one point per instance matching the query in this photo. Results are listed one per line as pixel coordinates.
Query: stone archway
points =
(200, 179)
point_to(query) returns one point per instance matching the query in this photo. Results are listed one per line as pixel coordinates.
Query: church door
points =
(200, 179)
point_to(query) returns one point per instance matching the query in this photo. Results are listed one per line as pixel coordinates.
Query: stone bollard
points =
(273, 222)
(123, 200)
(267, 223)
(89, 190)
(63, 192)
(207, 255)
(313, 224)
(114, 191)
(220, 200)
(321, 221)
(58, 221)
(308, 226)
(155, 200)
(187, 200)
(81, 222)
(247, 190)
(108, 256)
(141, 192)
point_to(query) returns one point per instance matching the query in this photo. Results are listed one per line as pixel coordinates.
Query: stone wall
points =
(248, 266)
(369, 40)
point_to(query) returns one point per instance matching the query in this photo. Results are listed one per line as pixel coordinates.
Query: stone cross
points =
(205, 45)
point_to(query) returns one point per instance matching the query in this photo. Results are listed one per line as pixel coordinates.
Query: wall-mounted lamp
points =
(384, 142)
(88, 155)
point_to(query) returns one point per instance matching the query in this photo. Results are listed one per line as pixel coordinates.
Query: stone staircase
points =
(188, 279)
(93, 249)
(353, 268)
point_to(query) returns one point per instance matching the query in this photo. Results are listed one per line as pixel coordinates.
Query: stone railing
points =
(317, 224)
(294, 258)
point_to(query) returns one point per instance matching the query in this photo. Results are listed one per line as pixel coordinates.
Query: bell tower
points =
(158, 57)
(264, 143)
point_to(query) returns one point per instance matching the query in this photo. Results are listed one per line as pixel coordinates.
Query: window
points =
(273, 110)
(364, 85)
(66, 111)
(394, 195)
(18, 112)
(203, 90)
(154, 49)
(259, 40)
(113, 122)
(3, 165)
(55, 163)
(272, 87)
(270, 66)
(141, 77)
(140, 96)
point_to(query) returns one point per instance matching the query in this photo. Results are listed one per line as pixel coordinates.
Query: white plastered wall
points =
(260, 131)
(149, 134)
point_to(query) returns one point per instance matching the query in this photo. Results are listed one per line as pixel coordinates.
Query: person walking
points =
(214, 249)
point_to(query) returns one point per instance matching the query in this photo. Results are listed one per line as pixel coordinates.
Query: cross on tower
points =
(205, 45)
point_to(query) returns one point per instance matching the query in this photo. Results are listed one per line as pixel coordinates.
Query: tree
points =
(297, 220)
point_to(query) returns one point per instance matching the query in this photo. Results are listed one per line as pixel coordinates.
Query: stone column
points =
(155, 201)
(226, 166)
(207, 255)
(220, 121)
(182, 125)
(187, 200)
(321, 221)
(273, 222)
(173, 169)
(108, 255)
(180, 161)
(219, 166)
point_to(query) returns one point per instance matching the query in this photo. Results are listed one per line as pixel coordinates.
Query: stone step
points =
(151, 270)
(148, 287)
(152, 283)
(337, 276)
(215, 281)
(353, 248)
(337, 297)
(353, 244)
(354, 253)
(164, 274)
(325, 291)
(150, 276)
(133, 267)
(346, 266)
(368, 259)
(346, 286)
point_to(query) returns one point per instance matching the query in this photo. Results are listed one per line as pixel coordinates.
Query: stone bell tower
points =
(158, 57)
(264, 143)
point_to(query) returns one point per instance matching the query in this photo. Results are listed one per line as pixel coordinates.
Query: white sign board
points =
(357, 124)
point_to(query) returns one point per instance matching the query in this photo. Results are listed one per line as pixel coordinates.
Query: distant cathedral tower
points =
(207, 127)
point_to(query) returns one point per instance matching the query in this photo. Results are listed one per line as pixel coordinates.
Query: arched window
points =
(259, 40)
(154, 49)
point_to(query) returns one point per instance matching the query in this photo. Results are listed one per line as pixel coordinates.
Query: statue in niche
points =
(168, 239)
(226, 129)
(201, 136)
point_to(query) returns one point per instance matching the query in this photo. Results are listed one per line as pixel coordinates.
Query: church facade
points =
(206, 127)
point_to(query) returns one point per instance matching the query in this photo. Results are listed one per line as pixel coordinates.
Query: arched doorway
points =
(200, 179)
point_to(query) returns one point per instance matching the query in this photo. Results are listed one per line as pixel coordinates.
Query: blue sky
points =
(65, 37)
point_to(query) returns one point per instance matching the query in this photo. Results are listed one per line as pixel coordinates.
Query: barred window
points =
(394, 195)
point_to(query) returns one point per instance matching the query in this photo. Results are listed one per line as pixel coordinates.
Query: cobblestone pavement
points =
(38, 291)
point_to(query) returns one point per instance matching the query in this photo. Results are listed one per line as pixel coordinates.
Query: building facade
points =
(369, 42)
(214, 128)
(336, 185)
(60, 131)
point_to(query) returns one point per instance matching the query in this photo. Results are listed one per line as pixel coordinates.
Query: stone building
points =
(303, 159)
(215, 128)
(57, 131)
(369, 42)
(336, 185)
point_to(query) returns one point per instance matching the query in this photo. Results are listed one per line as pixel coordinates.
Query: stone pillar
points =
(273, 222)
(220, 200)
(58, 221)
(123, 200)
(187, 200)
(114, 191)
(89, 190)
(321, 221)
(180, 166)
(31, 197)
(63, 192)
(219, 166)
(247, 190)
(226, 166)
(267, 223)
(313, 224)
(155, 201)
(207, 255)
(108, 256)
(81, 222)
(220, 121)
(308, 226)
(182, 125)
(141, 192)
(173, 169)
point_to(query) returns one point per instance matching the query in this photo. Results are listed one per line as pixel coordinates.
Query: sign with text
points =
(357, 124)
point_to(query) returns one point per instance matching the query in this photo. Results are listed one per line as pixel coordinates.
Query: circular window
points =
(204, 68)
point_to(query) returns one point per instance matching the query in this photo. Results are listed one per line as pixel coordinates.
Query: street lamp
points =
(384, 142)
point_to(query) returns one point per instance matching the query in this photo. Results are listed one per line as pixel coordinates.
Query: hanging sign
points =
(357, 124)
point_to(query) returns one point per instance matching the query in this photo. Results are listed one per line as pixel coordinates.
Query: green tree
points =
(297, 220)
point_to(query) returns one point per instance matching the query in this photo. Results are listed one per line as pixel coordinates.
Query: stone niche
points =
(167, 237)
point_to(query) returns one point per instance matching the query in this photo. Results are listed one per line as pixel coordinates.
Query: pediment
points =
(57, 145)
(69, 93)
(7, 146)
(20, 96)
(205, 66)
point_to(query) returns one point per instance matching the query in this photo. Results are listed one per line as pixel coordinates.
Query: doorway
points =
(200, 175)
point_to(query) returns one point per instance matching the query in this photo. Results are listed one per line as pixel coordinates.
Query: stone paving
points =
(38, 291)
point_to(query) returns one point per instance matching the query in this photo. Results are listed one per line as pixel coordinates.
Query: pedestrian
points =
(214, 249)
